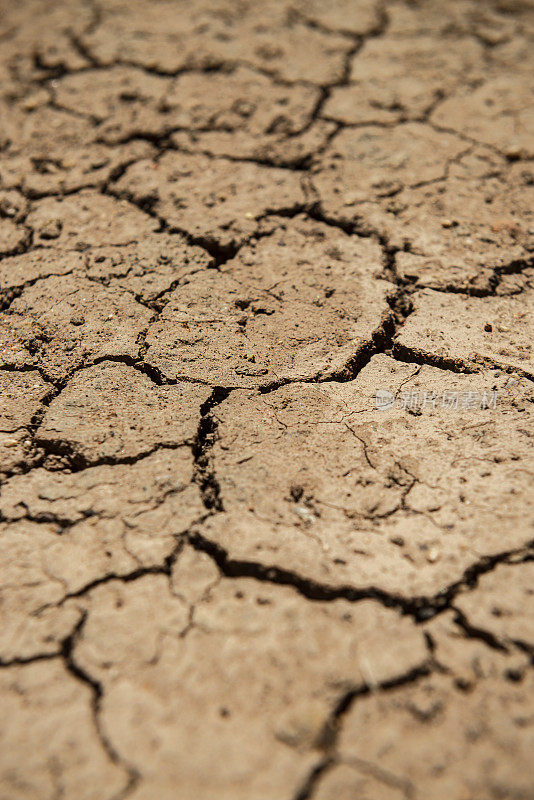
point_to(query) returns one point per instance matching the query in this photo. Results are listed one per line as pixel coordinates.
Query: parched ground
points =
(226, 571)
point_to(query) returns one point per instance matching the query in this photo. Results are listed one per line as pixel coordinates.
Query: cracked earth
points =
(225, 572)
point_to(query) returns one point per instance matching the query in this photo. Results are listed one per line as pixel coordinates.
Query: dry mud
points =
(227, 572)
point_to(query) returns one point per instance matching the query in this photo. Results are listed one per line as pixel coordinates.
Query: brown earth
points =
(228, 572)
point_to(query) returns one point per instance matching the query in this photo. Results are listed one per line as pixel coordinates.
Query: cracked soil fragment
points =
(300, 302)
(62, 322)
(373, 162)
(111, 412)
(498, 330)
(180, 188)
(244, 650)
(315, 480)
(484, 740)
(50, 723)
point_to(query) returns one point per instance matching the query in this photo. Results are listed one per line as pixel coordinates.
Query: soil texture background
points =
(267, 374)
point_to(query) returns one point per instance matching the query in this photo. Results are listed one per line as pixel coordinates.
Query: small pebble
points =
(50, 229)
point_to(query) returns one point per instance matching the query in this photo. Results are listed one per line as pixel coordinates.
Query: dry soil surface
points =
(267, 374)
